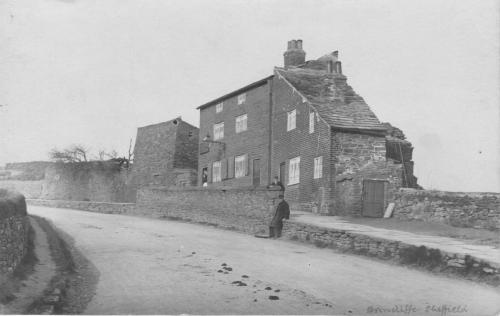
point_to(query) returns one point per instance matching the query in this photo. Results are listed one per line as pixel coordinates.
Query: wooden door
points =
(256, 172)
(373, 198)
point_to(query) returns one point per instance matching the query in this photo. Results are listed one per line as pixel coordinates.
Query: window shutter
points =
(247, 166)
(209, 173)
(230, 167)
(224, 169)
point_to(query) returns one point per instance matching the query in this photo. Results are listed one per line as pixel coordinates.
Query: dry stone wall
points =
(14, 227)
(245, 209)
(477, 210)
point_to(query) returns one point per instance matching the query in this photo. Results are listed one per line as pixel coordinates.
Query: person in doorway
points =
(204, 177)
(282, 212)
(277, 182)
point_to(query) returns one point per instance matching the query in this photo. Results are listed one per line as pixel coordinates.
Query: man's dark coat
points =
(282, 211)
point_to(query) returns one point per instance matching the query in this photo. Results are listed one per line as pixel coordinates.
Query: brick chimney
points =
(294, 55)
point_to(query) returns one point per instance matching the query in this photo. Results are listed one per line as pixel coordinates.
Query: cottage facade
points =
(307, 126)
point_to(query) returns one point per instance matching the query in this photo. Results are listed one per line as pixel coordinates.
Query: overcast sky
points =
(92, 71)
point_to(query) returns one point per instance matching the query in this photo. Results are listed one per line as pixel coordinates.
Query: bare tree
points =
(74, 153)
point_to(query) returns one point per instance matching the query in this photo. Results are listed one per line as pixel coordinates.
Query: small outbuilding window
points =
(294, 171)
(290, 123)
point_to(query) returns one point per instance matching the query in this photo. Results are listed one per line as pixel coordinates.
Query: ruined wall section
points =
(359, 157)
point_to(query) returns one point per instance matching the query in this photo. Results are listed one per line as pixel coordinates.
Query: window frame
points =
(294, 170)
(318, 167)
(245, 121)
(242, 97)
(291, 118)
(218, 134)
(217, 177)
(242, 172)
(219, 107)
(312, 116)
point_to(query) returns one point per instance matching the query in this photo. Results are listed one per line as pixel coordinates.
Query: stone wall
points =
(30, 189)
(14, 227)
(103, 181)
(244, 209)
(98, 207)
(478, 210)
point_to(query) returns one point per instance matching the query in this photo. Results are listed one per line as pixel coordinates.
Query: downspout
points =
(270, 148)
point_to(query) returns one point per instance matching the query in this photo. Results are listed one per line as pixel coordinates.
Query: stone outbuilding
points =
(307, 126)
(166, 154)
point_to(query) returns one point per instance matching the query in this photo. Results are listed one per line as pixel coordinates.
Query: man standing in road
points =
(282, 212)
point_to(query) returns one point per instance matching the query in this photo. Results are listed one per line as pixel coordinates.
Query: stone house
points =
(307, 126)
(165, 154)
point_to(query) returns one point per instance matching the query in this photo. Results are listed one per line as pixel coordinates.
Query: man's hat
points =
(281, 196)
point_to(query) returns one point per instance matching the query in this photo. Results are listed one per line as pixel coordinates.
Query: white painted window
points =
(240, 166)
(318, 167)
(242, 98)
(216, 172)
(219, 107)
(294, 171)
(219, 131)
(241, 123)
(290, 123)
(311, 122)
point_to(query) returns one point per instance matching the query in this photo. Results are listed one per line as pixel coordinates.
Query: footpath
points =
(431, 251)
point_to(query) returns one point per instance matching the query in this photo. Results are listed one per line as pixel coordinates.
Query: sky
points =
(91, 71)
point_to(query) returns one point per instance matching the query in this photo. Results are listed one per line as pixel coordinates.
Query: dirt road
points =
(163, 267)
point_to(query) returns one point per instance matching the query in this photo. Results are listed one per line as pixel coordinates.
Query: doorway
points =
(373, 198)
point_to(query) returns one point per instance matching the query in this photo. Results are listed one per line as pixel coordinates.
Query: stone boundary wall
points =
(31, 189)
(98, 207)
(14, 226)
(461, 209)
(396, 251)
(244, 209)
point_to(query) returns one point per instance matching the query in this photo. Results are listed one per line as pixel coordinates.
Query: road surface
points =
(165, 267)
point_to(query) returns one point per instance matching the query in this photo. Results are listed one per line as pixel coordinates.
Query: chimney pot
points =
(338, 67)
(336, 53)
(299, 44)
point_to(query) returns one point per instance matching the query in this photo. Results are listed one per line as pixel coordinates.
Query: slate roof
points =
(335, 101)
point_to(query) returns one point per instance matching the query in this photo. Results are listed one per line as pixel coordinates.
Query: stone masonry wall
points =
(98, 207)
(478, 210)
(88, 181)
(359, 157)
(14, 227)
(246, 209)
(30, 189)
